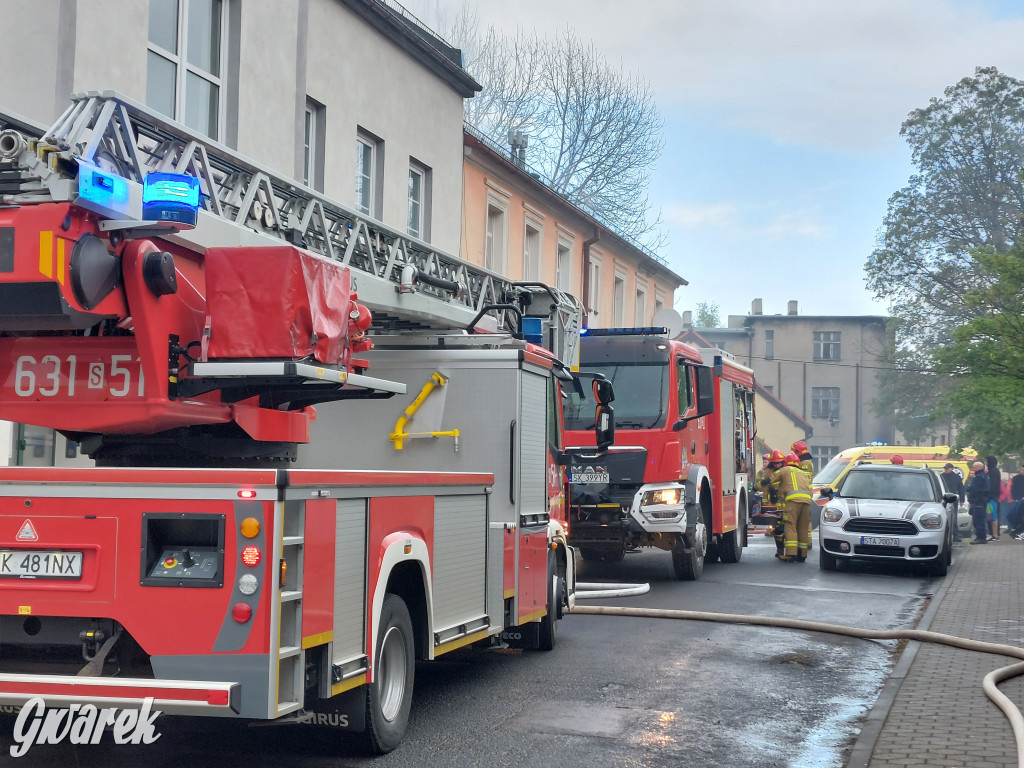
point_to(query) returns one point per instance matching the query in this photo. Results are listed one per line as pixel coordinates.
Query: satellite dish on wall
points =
(669, 319)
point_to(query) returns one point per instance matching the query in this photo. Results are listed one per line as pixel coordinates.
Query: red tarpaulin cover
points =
(268, 302)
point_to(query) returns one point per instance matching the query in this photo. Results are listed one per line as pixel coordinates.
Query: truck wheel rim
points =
(392, 673)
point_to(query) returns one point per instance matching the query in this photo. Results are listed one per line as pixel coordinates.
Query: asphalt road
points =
(616, 691)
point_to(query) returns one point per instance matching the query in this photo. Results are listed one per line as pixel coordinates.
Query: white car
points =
(888, 513)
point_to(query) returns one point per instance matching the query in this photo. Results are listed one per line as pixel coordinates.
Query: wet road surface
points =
(616, 691)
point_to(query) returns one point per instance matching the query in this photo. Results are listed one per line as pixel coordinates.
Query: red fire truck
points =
(250, 543)
(676, 477)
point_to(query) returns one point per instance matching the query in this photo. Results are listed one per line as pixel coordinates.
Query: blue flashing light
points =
(172, 198)
(584, 331)
(533, 330)
(103, 189)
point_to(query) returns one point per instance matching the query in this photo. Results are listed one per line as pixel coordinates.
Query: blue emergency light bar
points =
(644, 331)
(104, 189)
(172, 198)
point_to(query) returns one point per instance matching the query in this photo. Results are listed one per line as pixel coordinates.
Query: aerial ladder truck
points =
(250, 543)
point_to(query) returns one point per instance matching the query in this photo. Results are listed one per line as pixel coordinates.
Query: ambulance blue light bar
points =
(172, 198)
(644, 331)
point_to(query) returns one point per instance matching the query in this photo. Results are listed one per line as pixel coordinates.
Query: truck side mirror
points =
(604, 426)
(604, 393)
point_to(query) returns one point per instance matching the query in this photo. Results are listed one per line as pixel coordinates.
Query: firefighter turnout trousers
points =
(798, 529)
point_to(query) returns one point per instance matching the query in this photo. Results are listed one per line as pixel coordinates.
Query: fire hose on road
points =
(989, 683)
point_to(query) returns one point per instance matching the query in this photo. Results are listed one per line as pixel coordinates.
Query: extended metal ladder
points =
(406, 282)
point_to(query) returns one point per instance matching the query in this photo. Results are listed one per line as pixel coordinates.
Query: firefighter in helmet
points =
(794, 489)
(770, 492)
(802, 453)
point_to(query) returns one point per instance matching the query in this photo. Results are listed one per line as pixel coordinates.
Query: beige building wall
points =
(775, 428)
(275, 55)
(789, 367)
(520, 204)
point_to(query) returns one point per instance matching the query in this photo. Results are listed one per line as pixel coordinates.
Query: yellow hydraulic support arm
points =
(436, 381)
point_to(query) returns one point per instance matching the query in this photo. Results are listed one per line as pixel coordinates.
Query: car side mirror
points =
(827, 493)
(949, 498)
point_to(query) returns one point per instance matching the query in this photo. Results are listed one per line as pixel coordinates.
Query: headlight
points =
(831, 515)
(666, 496)
(930, 520)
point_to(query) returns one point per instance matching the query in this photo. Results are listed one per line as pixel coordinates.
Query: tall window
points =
(419, 200)
(826, 345)
(185, 62)
(769, 345)
(312, 145)
(825, 402)
(822, 455)
(595, 286)
(531, 251)
(563, 267)
(497, 236)
(640, 309)
(619, 302)
(368, 172)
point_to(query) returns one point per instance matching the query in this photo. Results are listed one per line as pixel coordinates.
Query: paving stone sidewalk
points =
(932, 711)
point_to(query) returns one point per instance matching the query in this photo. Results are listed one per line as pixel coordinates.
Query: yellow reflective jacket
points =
(792, 484)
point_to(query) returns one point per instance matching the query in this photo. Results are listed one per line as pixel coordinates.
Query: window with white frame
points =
(312, 145)
(497, 236)
(640, 308)
(827, 345)
(825, 402)
(368, 173)
(563, 266)
(659, 304)
(531, 250)
(619, 301)
(594, 299)
(419, 200)
(185, 62)
(822, 455)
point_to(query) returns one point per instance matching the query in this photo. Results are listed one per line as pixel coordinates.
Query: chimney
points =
(792, 307)
(687, 319)
(518, 142)
(756, 307)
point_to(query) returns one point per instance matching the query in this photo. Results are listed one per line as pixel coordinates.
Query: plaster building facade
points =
(516, 225)
(822, 367)
(353, 98)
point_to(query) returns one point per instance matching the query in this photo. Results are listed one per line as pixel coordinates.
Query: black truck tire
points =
(389, 696)
(688, 564)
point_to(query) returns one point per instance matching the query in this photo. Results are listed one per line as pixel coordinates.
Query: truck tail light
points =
(251, 556)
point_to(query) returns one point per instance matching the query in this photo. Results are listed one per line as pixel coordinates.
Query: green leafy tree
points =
(967, 193)
(986, 356)
(706, 315)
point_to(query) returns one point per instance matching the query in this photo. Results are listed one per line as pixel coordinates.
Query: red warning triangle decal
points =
(27, 532)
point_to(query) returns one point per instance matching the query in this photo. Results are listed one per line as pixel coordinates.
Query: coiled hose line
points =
(989, 683)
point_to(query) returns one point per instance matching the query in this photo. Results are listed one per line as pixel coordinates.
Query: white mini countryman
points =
(888, 513)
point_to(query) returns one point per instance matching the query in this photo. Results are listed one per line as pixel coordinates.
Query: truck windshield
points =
(830, 471)
(641, 391)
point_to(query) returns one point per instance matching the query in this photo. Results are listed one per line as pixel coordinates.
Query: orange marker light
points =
(251, 556)
(250, 527)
